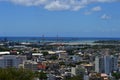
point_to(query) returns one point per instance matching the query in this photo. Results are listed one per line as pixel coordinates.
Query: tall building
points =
(10, 61)
(106, 64)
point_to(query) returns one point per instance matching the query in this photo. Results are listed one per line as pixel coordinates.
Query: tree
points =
(45, 53)
(41, 75)
(116, 75)
(78, 77)
(53, 57)
(16, 74)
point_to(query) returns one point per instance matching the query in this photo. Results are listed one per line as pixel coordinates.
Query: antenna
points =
(43, 38)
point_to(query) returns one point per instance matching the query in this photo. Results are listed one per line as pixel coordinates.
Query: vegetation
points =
(116, 75)
(70, 52)
(61, 63)
(103, 46)
(45, 53)
(4, 49)
(78, 77)
(108, 41)
(53, 57)
(16, 74)
(41, 75)
(20, 74)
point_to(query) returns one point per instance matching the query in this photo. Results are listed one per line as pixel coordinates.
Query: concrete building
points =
(106, 64)
(10, 61)
(78, 70)
(76, 58)
(62, 54)
(86, 77)
(31, 65)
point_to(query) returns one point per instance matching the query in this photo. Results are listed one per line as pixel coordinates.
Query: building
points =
(10, 61)
(62, 54)
(86, 77)
(97, 76)
(4, 53)
(76, 58)
(78, 70)
(31, 65)
(106, 64)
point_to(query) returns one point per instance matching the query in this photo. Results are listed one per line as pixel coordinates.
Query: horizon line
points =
(60, 36)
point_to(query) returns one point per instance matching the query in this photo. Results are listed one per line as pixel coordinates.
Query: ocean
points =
(54, 39)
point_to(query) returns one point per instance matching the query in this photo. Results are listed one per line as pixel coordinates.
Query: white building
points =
(106, 64)
(5, 53)
(73, 70)
(62, 54)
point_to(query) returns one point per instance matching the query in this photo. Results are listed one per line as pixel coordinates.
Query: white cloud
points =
(60, 4)
(57, 5)
(103, 1)
(87, 12)
(29, 2)
(94, 9)
(97, 8)
(105, 17)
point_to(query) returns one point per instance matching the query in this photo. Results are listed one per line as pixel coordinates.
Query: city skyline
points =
(65, 18)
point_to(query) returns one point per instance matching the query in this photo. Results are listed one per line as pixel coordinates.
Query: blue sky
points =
(66, 18)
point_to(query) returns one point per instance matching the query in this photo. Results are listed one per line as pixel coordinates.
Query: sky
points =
(65, 18)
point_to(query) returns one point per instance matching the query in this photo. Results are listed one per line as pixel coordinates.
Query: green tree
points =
(45, 53)
(116, 75)
(53, 57)
(16, 74)
(78, 77)
(41, 75)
